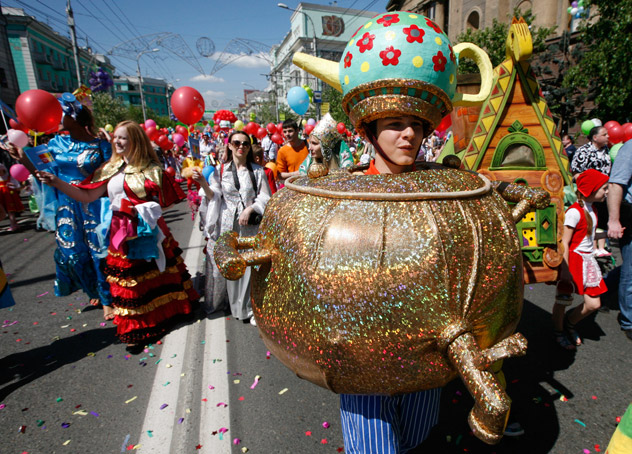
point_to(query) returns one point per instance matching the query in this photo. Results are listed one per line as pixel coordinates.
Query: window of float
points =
(518, 151)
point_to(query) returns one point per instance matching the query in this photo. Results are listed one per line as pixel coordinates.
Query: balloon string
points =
(35, 135)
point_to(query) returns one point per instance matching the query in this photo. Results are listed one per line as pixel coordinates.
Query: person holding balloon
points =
(80, 251)
(149, 281)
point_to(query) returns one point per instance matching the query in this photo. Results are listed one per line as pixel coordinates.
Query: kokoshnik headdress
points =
(399, 63)
(326, 131)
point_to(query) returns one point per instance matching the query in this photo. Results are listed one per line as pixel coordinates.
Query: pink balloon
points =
(149, 123)
(19, 172)
(178, 139)
(17, 138)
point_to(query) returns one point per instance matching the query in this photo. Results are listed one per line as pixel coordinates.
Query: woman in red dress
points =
(148, 279)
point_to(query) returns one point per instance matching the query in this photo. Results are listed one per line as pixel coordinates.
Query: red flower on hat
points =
(388, 20)
(439, 61)
(390, 56)
(452, 57)
(366, 43)
(415, 34)
(434, 26)
(348, 58)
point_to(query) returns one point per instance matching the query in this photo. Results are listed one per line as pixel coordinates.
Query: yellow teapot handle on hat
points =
(481, 59)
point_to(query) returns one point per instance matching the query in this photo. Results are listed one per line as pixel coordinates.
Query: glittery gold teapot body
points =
(388, 284)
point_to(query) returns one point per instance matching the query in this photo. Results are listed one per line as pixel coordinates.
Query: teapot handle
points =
(481, 59)
(231, 263)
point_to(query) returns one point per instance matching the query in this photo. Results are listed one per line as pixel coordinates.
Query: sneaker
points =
(602, 253)
(514, 430)
(253, 322)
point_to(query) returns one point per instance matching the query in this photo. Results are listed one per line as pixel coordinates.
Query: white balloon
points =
(17, 138)
(574, 11)
(597, 122)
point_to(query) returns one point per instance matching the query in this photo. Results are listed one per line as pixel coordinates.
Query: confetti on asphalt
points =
(95, 414)
(180, 421)
(130, 400)
(308, 433)
(40, 423)
(326, 425)
(163, 406)
(580, 423)
(222, 431)
(257, 378)
(222, 404)
(80, 413)
(39, 296)
(65, 425)
(67, 442)
(236, 441)
(323, 441)
(59, 399)
(594, 397)
(166, 383)
(244, 449)
(150, 433)
(283, 391)
(268, 355)
(22, 429)
(586, 451)
(211, 387)
(236, 381)
(124, 446)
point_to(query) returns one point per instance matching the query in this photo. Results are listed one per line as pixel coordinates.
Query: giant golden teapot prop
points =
(388, 284)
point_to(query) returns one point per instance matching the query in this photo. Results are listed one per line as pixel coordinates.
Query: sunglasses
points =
(236, 144)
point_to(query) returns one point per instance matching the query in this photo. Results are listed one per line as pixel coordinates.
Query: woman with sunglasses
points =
(234, 200)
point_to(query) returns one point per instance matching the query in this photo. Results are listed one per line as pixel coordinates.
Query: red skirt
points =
(576, 267)
(147, 301)
(10, 198)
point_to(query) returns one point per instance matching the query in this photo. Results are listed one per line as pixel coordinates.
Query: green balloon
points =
(614, 151)
(587, 126)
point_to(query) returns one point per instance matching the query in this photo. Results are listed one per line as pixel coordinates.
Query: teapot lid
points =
(427, 184)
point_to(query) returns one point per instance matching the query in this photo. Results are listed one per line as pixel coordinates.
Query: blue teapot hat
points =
(399, 63)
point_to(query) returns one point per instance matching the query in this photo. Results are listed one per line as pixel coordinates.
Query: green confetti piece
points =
(40, 423)
(150, 433)
(158, 360)
(580, 423)
(166, 383)
(59, 399)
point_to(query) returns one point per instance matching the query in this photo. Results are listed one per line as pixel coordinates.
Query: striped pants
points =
(387, 424)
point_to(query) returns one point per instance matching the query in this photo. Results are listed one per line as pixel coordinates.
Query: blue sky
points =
(107, 23)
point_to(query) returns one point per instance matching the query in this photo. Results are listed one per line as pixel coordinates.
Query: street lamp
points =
(314, 41)
(140, 79)
(284, 6)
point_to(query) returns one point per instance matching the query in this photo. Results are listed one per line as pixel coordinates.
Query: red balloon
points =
(152, 133)
(171, 171)
(251, 128)
(161, 139)
(276, 138)
(348, 133)
(279, 128)
(166, 146)
(17, 125)
(445, 123)
(627, 132)
(611, 124)
(308, 129)
(616, 134)
(271, 127)
(187, 104)
(261, 133)
(341, 128)
(38, 110)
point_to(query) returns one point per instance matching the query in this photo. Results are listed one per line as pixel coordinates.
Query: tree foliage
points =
(334, 98)
(492, 40)
(108, 110)
(604, 69)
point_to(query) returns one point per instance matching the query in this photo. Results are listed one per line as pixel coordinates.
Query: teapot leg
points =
(489, 416)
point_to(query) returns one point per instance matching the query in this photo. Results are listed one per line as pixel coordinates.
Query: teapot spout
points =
(231, 263)
(489, 416)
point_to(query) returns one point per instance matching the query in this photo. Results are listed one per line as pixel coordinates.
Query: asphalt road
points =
(67, 386)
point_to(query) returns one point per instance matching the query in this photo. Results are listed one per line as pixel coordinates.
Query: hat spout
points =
(325, 70)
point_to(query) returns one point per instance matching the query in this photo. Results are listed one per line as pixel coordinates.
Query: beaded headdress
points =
(326, 132)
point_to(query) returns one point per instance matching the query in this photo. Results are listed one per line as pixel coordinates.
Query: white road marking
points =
(161, 424)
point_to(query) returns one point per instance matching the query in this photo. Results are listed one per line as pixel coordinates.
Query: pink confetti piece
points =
(324, 441)
(211, 387)
(308, 433)
(2, 406)
(9, 323)
(586, 451)
(326, 425)
(594, 397)
(39, 296)
(256, 382)
(236, 441)
(222, 404)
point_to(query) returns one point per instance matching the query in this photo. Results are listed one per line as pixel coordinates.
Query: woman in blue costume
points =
(80, 251)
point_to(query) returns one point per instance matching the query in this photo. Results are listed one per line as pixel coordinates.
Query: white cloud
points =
(243, 60)
(206, 78)
(214, 94)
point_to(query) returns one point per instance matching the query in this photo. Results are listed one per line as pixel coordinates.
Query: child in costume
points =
(10, 197)
(149, 282)
(580, 268)
(326, 144)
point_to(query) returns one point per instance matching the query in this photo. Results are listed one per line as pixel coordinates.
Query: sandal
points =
(108, 315)
(563, 342)
(572, 334)
(96, 302)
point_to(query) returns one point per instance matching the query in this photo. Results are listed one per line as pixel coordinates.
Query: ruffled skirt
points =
(147, 301)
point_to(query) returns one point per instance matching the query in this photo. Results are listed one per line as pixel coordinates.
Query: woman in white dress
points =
(234, 199)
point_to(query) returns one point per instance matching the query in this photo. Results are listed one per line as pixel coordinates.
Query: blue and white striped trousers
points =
(387, 424)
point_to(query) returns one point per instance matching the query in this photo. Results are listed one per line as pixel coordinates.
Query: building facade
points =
(42, 58)
(157, 93)
(319, 30)
(456, 16)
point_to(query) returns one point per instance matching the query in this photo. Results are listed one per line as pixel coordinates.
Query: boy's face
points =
(400, 138)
